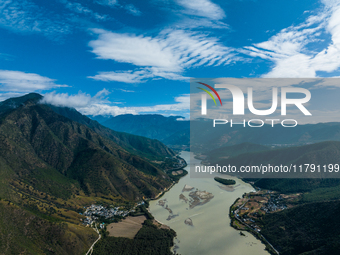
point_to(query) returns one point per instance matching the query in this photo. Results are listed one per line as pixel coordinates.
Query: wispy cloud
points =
(126, 90)
(27, 17)
(5, 56)
(98, 104)
(122, 76)
(79, 8)
(202, 8)
(107, 2)
(137, 76)
(132, 10)
(292, 51)
(25, 82)
(166, 55)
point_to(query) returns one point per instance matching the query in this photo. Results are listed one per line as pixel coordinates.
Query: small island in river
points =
(225, 181)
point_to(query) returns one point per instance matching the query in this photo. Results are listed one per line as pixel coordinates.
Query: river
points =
(210, 232)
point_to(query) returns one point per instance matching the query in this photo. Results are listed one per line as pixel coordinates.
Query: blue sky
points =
(113, 57)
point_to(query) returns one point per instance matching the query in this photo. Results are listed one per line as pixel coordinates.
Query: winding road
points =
(91, 248)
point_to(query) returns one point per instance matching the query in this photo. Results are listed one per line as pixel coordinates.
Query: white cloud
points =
(137, 50)
(25, 82)
(77, 101)
(98, 105)
(166, 55)
(64, 99)
(203, 8)
(182, 104)
(292, 50)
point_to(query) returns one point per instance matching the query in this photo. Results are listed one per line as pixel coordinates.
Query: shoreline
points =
(173, 182)
(163, 192)
(269, 247)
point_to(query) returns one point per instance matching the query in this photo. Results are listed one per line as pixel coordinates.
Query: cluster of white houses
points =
(93, 212)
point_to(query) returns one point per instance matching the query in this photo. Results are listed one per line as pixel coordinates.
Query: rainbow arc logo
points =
(209, 93)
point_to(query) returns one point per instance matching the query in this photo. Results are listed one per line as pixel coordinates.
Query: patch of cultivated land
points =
(177, 172)
(126, 228)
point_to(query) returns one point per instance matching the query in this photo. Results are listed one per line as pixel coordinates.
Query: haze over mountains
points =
(204, 136)
(173, 131)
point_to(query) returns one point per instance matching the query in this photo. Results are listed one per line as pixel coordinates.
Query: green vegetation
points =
(150, 240)
(225, 181)
(132, 142)
(321, 194)
(58, 156)
(177, 177)
(22, 232)
(306, 229)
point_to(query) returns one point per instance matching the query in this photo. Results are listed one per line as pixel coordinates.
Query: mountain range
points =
(175, 132)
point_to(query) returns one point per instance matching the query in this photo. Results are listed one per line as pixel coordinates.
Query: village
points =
(94, 212)
(247, 211)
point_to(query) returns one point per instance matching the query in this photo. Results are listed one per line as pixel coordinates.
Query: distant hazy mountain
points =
(52, 165)
(205, 138)
(176, 133)
(99, 118)
(172, 130)
(323, 153)
(233, 151)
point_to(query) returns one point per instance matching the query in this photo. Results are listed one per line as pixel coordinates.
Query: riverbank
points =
(176, 178)
(237, 223)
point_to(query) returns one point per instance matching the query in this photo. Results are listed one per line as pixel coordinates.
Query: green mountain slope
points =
(51, 167)
(22, 232)
(307, 229)
(37, 141)
(133, 143)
